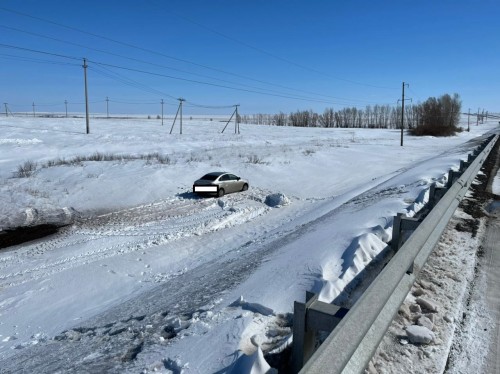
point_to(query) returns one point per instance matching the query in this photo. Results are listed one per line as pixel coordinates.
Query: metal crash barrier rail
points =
(356, 336)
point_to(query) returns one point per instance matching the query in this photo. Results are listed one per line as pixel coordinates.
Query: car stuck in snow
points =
(219, 183)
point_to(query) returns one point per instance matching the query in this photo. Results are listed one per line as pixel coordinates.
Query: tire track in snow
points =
(130, 230)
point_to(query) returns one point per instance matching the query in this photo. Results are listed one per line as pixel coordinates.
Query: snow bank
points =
(360, 253)
(252, 364)
(276, 200)
(253, 307)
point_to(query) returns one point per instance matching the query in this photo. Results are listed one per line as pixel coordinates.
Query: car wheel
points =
(221, 192)
(245, 187)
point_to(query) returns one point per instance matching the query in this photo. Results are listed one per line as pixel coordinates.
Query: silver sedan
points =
(219, 183)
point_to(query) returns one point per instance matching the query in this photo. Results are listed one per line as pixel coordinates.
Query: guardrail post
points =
(449, 182)
(308, 319)
(401, 230)
(304, 339)
(452, 177)
(396, 231)
(435, 195)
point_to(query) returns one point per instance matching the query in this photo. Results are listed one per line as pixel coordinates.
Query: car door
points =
(236, 185)
(225, 183)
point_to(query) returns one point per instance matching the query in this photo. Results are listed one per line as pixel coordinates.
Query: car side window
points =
(233, 177)
(225, 177)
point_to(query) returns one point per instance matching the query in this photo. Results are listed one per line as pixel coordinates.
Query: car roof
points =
(217, 173)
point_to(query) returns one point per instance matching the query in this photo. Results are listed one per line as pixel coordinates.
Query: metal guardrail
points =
(352, 343)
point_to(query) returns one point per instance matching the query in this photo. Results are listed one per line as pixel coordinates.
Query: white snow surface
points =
(142, 226)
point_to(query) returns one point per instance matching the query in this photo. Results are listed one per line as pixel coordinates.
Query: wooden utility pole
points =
(179, 109)
(477, 120)
(403, 111)
(33, 109)
(6, 111)
(162, 112)
(180, 106)
(468, 121)
(107, 107)
(236, 121)
(66, 105)
(86, 95)
(235, 111)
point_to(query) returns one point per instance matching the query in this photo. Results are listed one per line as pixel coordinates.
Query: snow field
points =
(331, 195)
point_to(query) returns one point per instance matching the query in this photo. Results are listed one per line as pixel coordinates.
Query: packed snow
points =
(319, 209)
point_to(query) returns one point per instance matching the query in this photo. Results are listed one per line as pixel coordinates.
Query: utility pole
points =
(180, 106)
(403, 110)
(236, 122)
(179, 109)
(162, 112)
(468, 121)
(477, 120)
(86, 94)
(107, 107)
(235, 111)
(6, 110)
(33, 109)
(66, 105)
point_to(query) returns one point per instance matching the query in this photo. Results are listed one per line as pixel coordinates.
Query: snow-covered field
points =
(319, 208)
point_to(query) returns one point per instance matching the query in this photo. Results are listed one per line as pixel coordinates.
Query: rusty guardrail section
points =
(356, 336)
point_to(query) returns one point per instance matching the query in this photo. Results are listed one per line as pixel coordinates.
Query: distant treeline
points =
(435, 112)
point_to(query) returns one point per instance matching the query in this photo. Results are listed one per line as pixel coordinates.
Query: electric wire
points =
(260, 50)
(173, 77)
(164, 66)
(127, 81)
(162, 54)
(211, 84)
(28, 59)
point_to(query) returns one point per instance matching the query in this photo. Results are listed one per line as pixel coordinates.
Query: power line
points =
(154, 64)
(128, 81)
(212, 84)
(260, 50)
(37, 51)
(296, 97)
(178, 59)
(28, 59)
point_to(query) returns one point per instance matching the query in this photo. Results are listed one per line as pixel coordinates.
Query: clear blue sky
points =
(275, 55)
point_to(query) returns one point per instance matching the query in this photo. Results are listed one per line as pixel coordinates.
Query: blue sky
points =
(268, 56)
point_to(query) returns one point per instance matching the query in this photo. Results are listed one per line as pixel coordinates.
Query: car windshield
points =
(209, 177)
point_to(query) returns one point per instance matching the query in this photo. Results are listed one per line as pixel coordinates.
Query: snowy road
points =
(157, 286)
